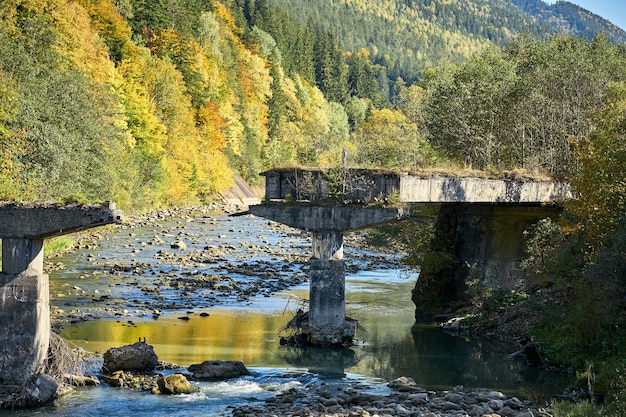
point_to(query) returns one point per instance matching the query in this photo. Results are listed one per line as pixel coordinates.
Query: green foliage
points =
(521, 107)
(59, 244)
(544, 244)
(603, 194)
(609, 382)
(479, 294)
(581, 409)
(389, 139)
(57, 153)
(587, 326)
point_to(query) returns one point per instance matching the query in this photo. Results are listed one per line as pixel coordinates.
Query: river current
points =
(226, 294)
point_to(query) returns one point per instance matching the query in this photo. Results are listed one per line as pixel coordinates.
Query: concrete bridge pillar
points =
(24, 290)
(327, 323)
(327, 294)
(481, 242)
(22, 256)
(25, 308)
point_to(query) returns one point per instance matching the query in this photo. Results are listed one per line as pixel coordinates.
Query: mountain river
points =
(203, 285)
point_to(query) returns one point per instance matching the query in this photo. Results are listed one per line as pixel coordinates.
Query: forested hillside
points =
(408, 36)
(155, 104)
(159, 103)
(570, 18)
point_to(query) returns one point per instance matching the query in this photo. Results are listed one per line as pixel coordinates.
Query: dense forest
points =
(160, 103)
(156, 103)
(407, 37)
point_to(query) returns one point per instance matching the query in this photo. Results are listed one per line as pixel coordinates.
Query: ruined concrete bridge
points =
(24, 287)
(485, 217)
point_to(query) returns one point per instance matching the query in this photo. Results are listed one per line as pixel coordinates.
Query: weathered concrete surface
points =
(327, 304)
(489, 240)
(332, 218)
(367, 186)
(478, 241)
(24, 328)
(39, 221)
(22, 256)
(24, 288)
(479, 190)
(327, 245)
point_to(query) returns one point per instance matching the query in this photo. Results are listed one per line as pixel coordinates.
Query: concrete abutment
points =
(25, 292)
(477, 241)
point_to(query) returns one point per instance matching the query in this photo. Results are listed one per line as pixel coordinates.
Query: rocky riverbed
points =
(187, 272)
(404, 399)
(175, 279)
(400, 397)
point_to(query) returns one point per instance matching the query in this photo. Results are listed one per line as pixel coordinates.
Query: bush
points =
(582, 409)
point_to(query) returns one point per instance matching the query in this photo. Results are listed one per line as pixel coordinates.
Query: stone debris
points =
(404, 399)
(218, 370)
(174, 384)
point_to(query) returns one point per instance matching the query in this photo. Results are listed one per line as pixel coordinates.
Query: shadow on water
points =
(438, 360)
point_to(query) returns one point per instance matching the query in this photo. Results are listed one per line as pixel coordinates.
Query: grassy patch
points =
(583, 409)
(58, 245)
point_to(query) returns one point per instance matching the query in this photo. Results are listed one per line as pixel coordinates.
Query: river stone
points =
(496, 404)
(175, 384)
(218, 370)
(402, 382)
(41, 390)
(507, 412)
(138, 357)
(179, 244)
(514, 403)
(454, 397)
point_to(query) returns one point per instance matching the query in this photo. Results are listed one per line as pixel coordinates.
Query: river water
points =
(228, 294)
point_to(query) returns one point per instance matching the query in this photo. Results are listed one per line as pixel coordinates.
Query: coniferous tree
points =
(305, 52)
(277, 104)
(331, 71)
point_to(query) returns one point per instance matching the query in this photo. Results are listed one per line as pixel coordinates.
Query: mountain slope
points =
(567, 17)
(408, 36)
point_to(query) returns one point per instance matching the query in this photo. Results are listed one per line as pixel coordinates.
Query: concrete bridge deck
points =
(368, 186)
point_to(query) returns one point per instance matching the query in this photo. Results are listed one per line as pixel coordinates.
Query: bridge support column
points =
(24, 313)
(478, 241)
(327, 294)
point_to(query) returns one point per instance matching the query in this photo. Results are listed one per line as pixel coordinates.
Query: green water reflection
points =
(391, 344)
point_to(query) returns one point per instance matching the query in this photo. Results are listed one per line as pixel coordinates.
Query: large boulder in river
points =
(138, 357)
(212, 370)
